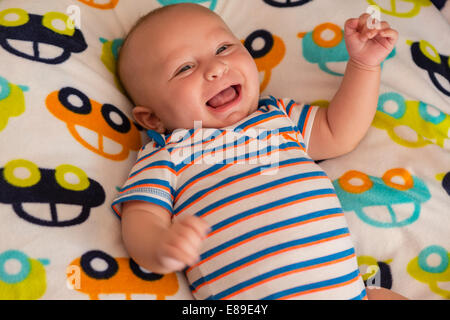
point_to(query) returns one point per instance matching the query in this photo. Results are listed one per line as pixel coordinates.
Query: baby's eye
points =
(223, 48)
(185, 68)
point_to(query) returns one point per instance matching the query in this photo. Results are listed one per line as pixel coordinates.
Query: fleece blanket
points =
(68, 141)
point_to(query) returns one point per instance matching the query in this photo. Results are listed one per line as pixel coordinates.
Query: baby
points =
(236, 229)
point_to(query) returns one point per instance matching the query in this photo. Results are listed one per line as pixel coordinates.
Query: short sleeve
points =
(151, 179)
(302, 115)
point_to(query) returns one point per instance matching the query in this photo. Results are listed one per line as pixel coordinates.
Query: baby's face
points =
(190, 67)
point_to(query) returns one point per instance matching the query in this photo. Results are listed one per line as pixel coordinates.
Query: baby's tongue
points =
(223, 97)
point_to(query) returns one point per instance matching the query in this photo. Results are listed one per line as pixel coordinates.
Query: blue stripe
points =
(258, 118)
(197, 140)
(281, 270)
(156, 163)
(305, 217)
(312, 286)
(266, 206)
(235, 177)
(246, 192)
(218, 132)
(200, 193)
(289, 106)
(198, 176)
(267, 251)
(147, 155)
(160, 182)
(302, 119)
(190, 156)
(360, 296)
(143, 198)
(245, 156)
(270, 100)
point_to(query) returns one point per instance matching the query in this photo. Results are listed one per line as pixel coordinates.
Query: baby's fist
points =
(369, 44)
(181, 245)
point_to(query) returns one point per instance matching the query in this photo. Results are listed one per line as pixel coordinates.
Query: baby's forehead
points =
(182, 12)
(156, 34)
(160, 33)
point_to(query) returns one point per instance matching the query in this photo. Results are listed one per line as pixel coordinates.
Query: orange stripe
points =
(268, 256)
(234, 162)
(271, 209)
(264, 234)
(190, 146)
(224, 150)
(324, 264)
(118, 213)
(288, 137)
(262, 121)
(169, 140)
(281, 104)
(292, 108)
(204, 154)
(223, 133)
(263, 212)
(197, 180)
(321, 289)
(294, 104)
(145, 157)
(235, 181)
(305, 124)
(254, 194)
(231, 182)
(154, 167)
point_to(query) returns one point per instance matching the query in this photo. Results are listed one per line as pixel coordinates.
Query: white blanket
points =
(67, 141)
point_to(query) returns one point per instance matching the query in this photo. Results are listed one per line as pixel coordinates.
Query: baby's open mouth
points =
(225, 97)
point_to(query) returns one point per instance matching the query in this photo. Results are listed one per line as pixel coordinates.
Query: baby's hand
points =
(369, 46)
(180, 245)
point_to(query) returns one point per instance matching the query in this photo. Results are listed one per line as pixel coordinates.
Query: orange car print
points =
(267, 57)
(103, 5)
(121, 276)
(101, 128)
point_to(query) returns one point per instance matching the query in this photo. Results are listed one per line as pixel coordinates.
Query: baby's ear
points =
(148, 119)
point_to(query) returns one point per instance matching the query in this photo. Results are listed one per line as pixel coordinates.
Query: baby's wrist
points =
(363, 66)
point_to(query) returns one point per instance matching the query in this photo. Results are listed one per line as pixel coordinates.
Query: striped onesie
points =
(278, 229)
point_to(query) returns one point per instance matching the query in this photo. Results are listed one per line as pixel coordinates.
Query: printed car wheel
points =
(138, 272)
(89, 269)
(346, 182)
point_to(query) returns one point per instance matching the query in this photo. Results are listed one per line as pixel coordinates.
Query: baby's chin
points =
(233, 118)
(236, 116)
(228, 121)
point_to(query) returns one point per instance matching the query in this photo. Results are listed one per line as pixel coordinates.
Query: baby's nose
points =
(216, 70)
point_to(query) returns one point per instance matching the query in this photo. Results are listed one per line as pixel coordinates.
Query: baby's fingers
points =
(350, 26)
(198, 225)
(176, 257)
(390, 34)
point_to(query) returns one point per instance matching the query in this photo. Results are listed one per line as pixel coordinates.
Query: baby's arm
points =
(339, 128)
(157, 244)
